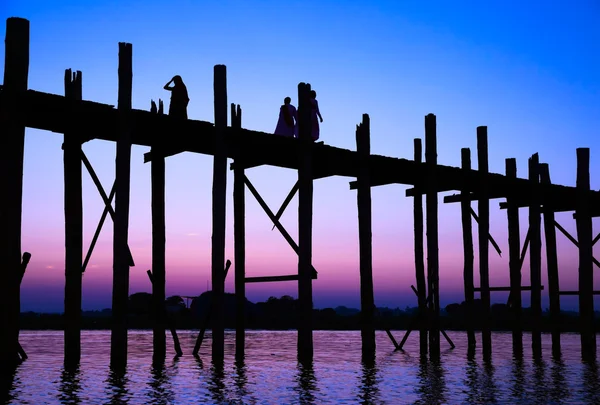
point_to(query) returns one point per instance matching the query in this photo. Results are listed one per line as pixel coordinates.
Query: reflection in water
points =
(216, 386)
(161, 390)
(241, 379)
(117, 386)
(481, 384)
(432, 384)
(8, 382)
(70, 386)
(488, 386)
(368, 387)
(518, 372)
(560, 389)
(539, 382)
(591, 383)
(307, 383)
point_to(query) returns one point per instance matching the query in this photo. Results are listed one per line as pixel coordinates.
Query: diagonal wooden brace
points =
(573, 240)
(491, 239)
(287, 201)
(107, 201)
(270, 214)
(521, 261)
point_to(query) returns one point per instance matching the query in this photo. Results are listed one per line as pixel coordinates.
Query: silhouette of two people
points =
(287, 125)
(179, 98)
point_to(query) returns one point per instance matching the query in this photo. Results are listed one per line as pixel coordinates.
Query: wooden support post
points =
(120, 298)
(552, 264)
(363, 196)
(483, 232)
(239, 230)
(419, 257)
(535, 261)
(73, 228)
(218, 215)
(24, 263)
(465, 209)
(305, 216)
(158, 278)
(431, 201)
(162, 318)
(12, 131)
(514, 261)
(586, 275)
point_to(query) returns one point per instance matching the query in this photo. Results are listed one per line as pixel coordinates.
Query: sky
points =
(527, 70)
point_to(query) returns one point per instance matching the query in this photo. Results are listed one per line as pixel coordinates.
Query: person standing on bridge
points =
(288, 119)
(315, 113)
(179, 98)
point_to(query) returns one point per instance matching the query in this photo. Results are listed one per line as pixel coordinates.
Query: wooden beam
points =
(419, 258)
(363, 197)
(286, 202)
(586, 275)
(73, 207)
(515, 261)
(577, 292)
(499, 289)
(118, 348)
(535, 262)
(552, 265)
(218, 213)
(468, 254)
(305, 218)
(239, 237)
(483, 232)
(12, 133)
(273, 279)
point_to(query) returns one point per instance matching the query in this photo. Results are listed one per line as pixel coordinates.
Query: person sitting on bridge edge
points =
(314, 114)
(288, 119)
(179, 98)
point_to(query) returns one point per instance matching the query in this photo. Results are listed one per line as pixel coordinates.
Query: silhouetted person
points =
(179, 98)
(315, 113)
(288, 119)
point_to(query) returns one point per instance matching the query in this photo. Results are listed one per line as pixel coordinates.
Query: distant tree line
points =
(282, 313)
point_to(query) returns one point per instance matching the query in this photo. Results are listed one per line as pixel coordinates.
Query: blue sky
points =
(527, 70)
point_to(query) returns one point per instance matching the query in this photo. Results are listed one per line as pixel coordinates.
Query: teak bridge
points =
(83, 121)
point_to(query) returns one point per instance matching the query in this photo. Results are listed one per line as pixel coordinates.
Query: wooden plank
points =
(73, 207)
(419, 258)
(218, 213)
(515, 262)
(239, 237)
(431, 203)
(305, 218)
(521, 288)
(535, 262)
(159, 240)
(365, 242)
(586, 275)
(273, 279)
(576, 292)
(468, 254)
(12, 133)
(120, 298)
(552, 265)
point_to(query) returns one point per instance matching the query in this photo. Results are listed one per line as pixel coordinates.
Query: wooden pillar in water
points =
(483, 207)
(363, 196)
(12, 130)
(586, 275)
(305, 214)
(159, 240)
(73, 228)
(431, 201)
(514, 261)
(218, 214)
(465, 210)
(535, 261)
(419, 256)
(552, 264)
(239, 230)
(121, 258)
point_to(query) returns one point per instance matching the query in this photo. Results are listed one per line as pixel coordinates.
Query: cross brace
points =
(574, 241)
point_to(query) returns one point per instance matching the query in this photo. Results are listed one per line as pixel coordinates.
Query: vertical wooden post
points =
(431, 201)
(363, 197)
(73, 228)
(552, 263)
(483, 207)
(535, 260)
(514, 261)
(305, 215)
(239, 217)
(159, 240)
(218, 200)
(586, 275)
(12, 129)
(121, 262)
(465, 211)
(419, 256)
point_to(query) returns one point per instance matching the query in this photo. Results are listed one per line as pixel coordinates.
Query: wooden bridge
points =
(84, 121)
